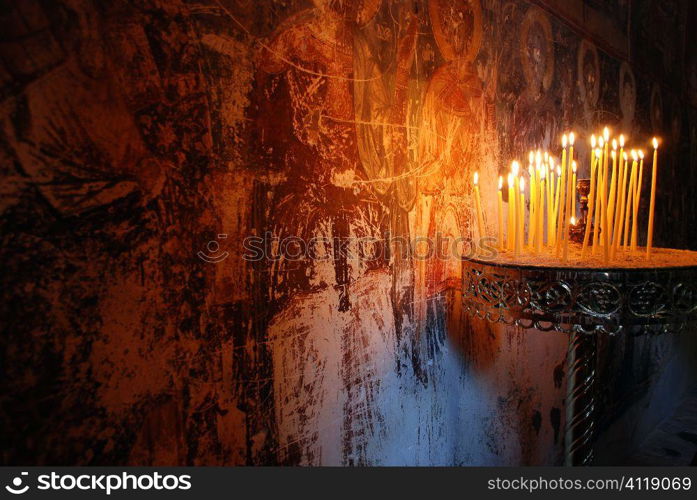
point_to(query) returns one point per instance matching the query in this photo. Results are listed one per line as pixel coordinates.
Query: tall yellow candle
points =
(630, 197)
(540, 212)
(550, 202)
(598, 196)
(622, 194)
(562, 198)
(500, 193)
(511, 213)
(606, 184)
(652, 204)
(637, 201)
(531, 230)
(573, 189)
(520, 231)
(613, 191)
(569, 189)
(557, 193)
(591, 204)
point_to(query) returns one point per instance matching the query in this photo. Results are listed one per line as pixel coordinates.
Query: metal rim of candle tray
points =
(576, 299)
(582, 303)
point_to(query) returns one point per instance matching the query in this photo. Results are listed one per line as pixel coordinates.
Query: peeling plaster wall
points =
(142, 142)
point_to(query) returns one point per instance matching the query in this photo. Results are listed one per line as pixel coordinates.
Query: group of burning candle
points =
(613, 201)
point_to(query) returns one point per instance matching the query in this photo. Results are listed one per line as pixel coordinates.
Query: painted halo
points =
(457, 27)
(656, 109)
(627, 93)
(537, 47)
(588, 73)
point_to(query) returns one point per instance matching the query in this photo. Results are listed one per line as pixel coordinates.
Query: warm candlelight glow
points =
(476, 178)
(608, 212)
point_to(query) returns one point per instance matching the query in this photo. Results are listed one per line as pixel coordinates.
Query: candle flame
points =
(641, 154)
(538, 158)
(601, 142)
(563, 140)
(510, 181)
(606, 133)
(543, 173)
(593, 141)
(571, 138)
(522, 184)
(573, 166)
(621, 140)
(558, 171)
(634, 155)
(599, 152)
(573, 220)
(655, 143)
(613, 154)
(614, 145)
(500, 182)
(551, 163)
(531, 172)
(531, 157)
(515, 168)
(625, 156)
(476, 178)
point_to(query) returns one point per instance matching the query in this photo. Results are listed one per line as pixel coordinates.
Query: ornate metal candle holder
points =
(583, 303)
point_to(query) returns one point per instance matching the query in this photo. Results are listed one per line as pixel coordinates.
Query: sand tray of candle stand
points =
(583, 294)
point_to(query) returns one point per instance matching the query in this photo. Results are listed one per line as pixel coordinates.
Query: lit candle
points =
(591, 200)
(556, 204)
(613, 192)
(630, 197)
(500, 193)
(652, 205)
(573, 189)
(598, 195)
(521, 218)
(606, 181)
(622, 194)
(511, 213)
(540, 212)
(562, 200)
(568, 193)
(637, 200)
(550, 203)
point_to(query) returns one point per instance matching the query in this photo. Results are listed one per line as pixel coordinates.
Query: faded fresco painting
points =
(272, 199)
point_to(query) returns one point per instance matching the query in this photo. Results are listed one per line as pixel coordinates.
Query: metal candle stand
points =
(582, 303)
